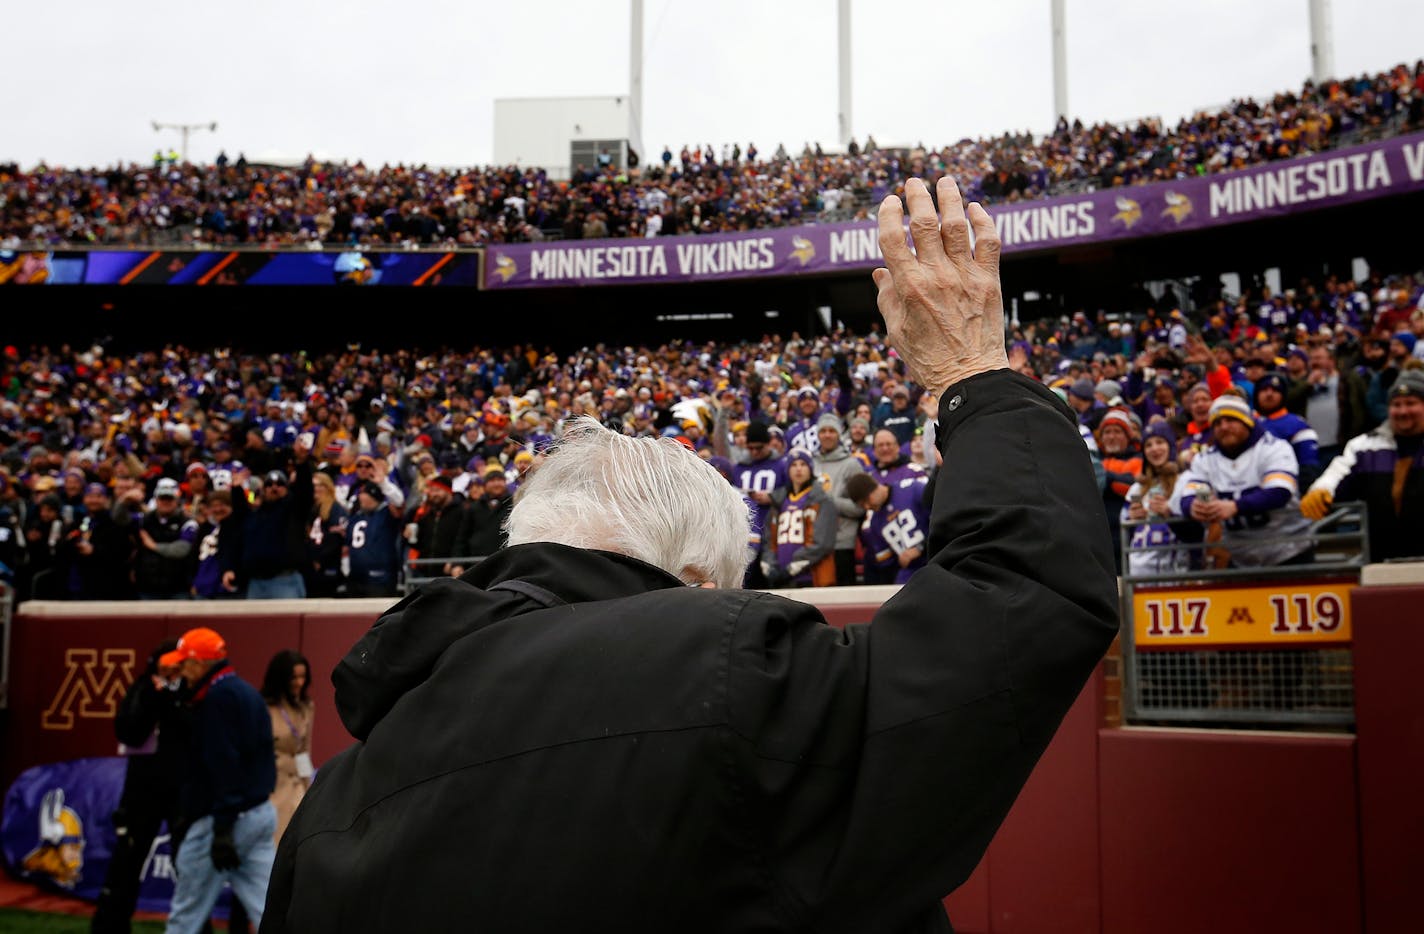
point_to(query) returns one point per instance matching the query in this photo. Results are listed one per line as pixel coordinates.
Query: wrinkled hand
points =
(224, 851)
(1315, 504)
(942, 304)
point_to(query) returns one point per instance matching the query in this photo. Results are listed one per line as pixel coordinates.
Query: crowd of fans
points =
(695, 190)
(186, 473)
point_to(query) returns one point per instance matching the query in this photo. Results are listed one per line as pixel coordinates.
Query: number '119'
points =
(1326, 616)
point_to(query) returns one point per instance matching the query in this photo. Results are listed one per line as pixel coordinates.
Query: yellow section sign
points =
(1277, 614)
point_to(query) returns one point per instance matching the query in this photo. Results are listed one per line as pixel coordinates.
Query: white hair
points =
(648, 498)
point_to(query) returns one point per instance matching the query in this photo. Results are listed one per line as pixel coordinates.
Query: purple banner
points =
(58, 831)
(1343, 176)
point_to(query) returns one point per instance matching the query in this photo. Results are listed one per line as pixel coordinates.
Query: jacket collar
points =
(575, 575)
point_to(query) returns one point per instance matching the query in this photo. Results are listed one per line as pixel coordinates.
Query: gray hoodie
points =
(834, 469)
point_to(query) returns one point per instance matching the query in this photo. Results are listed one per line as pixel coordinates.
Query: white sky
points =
(415, 80)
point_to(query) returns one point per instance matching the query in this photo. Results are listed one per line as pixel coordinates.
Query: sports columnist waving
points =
(596, 730)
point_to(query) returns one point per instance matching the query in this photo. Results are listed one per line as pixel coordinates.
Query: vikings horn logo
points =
(60, 854)
(803, 249)
(1128, 211)
(505, 268)
(1178, 206)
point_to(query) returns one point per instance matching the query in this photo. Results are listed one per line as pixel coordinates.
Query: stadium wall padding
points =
(1118, 831)
(1389, 713)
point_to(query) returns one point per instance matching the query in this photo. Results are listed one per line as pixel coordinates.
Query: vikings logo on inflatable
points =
(60, 854)
(355, 269)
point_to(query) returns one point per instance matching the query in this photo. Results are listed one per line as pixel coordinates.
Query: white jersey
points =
(1268, 464)
(1143, 557)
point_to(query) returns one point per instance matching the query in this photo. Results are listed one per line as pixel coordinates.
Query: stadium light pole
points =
(843, 44)
(1060, 63)
(635, 78)
(1322, 46)
(185, 129)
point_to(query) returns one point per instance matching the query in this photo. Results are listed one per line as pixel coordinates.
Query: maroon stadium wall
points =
(1120, 830)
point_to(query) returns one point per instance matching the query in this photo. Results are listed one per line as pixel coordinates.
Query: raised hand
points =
(942, 304)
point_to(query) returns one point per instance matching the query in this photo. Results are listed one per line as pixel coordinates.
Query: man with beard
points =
(1385, 470)
(1271, 408)
(1247, 481)
(438, 524)
(1379, 372)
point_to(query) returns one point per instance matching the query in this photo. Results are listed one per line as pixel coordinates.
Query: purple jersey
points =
(221, 474)
(795, 521)
(900, 470)
(802, 433)
(899, 525)
(761, 476)
(217, 553)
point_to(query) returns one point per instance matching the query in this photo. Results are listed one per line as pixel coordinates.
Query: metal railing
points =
(1261, 647)
(414, 567)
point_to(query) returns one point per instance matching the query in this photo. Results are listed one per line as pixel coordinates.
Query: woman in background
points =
(326, 535)
(285, 688)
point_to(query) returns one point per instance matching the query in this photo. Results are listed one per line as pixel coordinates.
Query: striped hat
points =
(1122, 418)
(1232, 407)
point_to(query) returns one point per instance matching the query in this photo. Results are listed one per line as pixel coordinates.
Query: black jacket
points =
(439, 531)
(483, 533)
(645, 756)
(146, 708)
(274, 535)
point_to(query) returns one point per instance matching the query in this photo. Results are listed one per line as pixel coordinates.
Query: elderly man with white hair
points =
(597, 730)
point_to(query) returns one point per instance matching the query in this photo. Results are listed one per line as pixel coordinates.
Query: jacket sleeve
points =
(1335, 479)
(906, 741)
